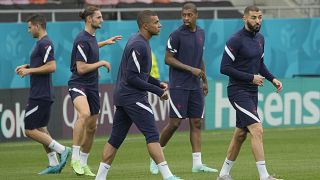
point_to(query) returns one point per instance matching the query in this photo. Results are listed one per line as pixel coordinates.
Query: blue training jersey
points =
(187, 48)
(134, 78)
(85, 49)
(243, 58)
(41, 84)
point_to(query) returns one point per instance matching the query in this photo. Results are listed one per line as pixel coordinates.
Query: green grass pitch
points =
(291, 154)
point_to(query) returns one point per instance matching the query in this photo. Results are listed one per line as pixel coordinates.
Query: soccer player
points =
(83, 87)
(243, 62)
(42, 64)
(131, 98)
(184, 55)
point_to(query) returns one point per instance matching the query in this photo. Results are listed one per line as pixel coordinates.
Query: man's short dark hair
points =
(38, 19)
(251, 8)
(144, 17)
(191, 6)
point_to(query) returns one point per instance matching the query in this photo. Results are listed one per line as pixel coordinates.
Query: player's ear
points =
(244, 17)
(145, 26)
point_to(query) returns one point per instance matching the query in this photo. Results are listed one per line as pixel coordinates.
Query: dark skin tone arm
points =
(173, 62)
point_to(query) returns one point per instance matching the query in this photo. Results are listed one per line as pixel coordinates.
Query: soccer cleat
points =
(225, 177)
(271, 178)
(64, 157)
(153, 167)
(203, 168)
(75, 164)
(87, 171)
(173, 178)
(51, 170)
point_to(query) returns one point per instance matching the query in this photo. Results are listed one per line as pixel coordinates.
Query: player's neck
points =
(90, 30)
(42, 34)
(145, 34)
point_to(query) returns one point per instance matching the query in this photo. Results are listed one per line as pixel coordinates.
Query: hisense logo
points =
(275, 109)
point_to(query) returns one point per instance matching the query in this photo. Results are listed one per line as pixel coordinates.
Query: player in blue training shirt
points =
(131, 99)
(184, 55)
(83, 87)
(243, 62)
(38, 109)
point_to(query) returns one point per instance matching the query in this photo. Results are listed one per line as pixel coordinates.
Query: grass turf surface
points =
(291, 154)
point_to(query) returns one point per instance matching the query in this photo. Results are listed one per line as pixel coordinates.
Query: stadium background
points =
(292, 53)
(291, 118)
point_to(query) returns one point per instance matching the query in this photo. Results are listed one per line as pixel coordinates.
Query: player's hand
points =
(22, 66)
(164, 86)
(113, 40)
(277, 84)
(258, 80)
(205, 88)
(197, 72)
(164, 96)
(106, 64)
(23, 71)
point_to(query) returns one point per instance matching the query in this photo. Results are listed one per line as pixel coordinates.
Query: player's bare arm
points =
(83, 68)
(49, 67)
(278, 84)
(205, 86)
(110, 41)
(171, 61)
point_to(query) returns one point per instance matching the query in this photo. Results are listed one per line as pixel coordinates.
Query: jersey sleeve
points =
(82, 51)
(136, 74)
(173, 43)
(46, 51)
(265, 72)
(136, 58)
(230, 53)
(263, 68)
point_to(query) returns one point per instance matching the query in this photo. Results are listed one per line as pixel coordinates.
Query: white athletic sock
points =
(196, 157)
(53, 160)
(263, 173)
(102, 171)
(54, 145)
(164, 169)
(75, 152)
(83, 158)
(226, 167)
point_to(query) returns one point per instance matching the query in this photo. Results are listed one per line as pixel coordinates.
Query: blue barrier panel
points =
(292, 47)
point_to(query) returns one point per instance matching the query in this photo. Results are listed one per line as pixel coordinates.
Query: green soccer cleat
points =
(87, 171)
(64, 157)
(51, 170)
(75, 164)
(153, 167)
(173, 178)
(204, 168)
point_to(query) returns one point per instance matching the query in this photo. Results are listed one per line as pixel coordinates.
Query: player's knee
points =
(91, 128)
(151, 138)
(174, 124)
(241, 137)
(84, 115)
(29, 133)
(116, 141)
(196, 123)
(257, 132)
